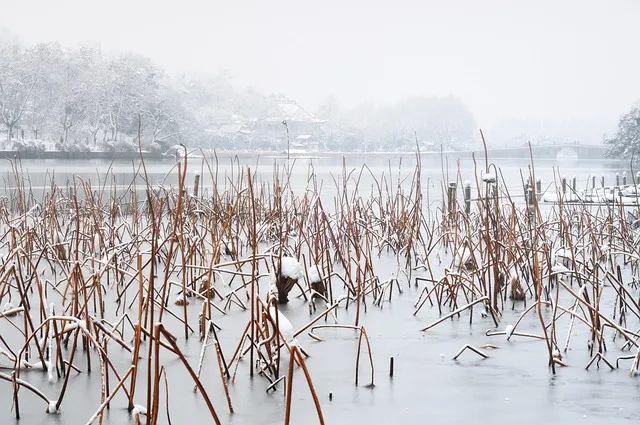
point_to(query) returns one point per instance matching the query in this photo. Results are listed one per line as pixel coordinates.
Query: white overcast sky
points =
(524, 59)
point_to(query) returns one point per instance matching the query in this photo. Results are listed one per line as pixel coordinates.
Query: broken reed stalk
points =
(361, 333)
(105, 403)
(170, 339)
(453, 313)
(295, 356)
(254, 248)
(470, 348)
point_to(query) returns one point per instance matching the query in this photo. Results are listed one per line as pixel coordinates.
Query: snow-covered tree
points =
(17, 82)
(626, 142)
(45, 62)
(81, 99)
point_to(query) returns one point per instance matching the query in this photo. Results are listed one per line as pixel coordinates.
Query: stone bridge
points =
(551, 151)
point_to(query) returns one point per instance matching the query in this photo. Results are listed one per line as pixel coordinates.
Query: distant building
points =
(429, 146)
(269, 131)
(305, 143)
(230, 132)
(287, 115)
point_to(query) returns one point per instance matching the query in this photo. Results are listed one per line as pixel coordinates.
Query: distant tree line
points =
(433, 122)
(78, 99)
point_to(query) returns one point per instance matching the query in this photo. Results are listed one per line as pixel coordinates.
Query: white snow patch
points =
(52, 407)
(582, 290)
(37, 365)
(489, 178)
(314, 274)
(291, 268)
(273, 291)
(283, 324)
(559, 269)
(139, 410)
(96, 244)
(69, 326)
(8, 306)
(34, 210)
(181, 300)
(509, 330)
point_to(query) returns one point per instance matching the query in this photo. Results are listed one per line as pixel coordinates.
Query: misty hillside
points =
(58, 98)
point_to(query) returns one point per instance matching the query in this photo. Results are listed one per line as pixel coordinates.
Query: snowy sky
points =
(573, 60)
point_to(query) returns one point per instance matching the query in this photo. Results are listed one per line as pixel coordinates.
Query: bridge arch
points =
(568, 152)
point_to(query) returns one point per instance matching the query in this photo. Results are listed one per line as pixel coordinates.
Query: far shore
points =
(493, 153)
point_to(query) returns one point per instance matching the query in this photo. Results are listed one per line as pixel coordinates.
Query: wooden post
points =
(538, 186)
(451, 196)
(617, 179)
(564, 185)
(602, 181)
(624, 178)
(467, 197)
(196, 185)
(574, 184)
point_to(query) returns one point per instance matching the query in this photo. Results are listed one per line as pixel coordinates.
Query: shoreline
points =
(196, 154)
(62, 155)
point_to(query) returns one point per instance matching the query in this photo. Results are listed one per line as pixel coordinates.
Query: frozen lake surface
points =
(513, 385)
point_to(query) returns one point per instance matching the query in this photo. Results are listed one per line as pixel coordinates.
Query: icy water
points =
(514, 385)
(329, 171)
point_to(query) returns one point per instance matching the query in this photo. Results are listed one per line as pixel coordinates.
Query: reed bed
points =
(91, 275)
